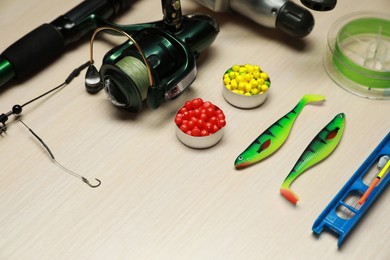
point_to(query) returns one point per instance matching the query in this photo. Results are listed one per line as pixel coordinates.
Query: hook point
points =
(89, 184)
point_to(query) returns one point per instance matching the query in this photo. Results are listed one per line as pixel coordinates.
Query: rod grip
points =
(35, 50)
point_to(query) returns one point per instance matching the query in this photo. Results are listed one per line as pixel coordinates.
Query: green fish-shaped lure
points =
(275, 135)
(319, 148)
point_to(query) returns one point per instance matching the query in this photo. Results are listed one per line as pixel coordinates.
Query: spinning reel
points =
(157, 63)
(285, 15)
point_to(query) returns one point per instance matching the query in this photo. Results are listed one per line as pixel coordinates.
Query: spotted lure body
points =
(319, 148)
(275, 136)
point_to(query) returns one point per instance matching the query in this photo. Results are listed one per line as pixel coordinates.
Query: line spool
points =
(358, 54)
(136, 70)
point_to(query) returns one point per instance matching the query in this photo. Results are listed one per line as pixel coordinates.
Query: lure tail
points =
(309, 98)
(274, 136)
(289, 194)
(319, 148)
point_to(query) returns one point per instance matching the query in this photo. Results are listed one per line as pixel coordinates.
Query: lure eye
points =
(240, 158)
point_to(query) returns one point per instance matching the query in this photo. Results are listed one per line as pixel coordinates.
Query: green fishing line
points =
(138, 73)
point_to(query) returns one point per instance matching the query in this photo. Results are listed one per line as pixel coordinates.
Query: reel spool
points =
(126, 83)
(94, 82)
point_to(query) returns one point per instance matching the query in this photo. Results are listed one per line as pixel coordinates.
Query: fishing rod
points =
(43, 45)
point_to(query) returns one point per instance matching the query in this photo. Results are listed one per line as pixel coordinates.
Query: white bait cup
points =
(199, 142)
(242, 101)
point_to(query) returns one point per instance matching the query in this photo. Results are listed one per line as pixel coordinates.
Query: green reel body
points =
(171, 59)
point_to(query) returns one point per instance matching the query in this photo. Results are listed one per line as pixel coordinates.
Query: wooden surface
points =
(160, 199)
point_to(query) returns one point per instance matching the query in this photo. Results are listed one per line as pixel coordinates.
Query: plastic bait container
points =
(357, 57)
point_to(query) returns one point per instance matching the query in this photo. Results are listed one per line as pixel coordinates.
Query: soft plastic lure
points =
(319, 148)
(275, 135)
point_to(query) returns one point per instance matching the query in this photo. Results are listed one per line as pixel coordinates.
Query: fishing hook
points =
(89, 184)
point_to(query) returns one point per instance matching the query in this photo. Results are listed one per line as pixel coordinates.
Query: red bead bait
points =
(200, 118)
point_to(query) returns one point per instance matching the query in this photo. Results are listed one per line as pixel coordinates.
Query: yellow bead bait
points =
(246, 80)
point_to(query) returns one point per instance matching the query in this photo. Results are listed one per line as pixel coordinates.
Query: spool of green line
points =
(358, 54)
(137, 71)
(126, 82)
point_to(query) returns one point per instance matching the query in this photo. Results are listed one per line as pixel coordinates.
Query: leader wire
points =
(17, 110)
(56, 162)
